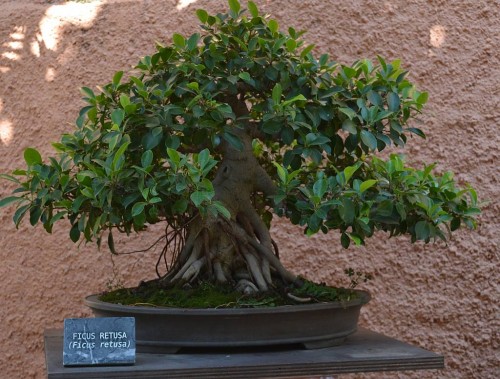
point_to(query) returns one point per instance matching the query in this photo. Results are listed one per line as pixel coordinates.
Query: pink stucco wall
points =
(443, 298)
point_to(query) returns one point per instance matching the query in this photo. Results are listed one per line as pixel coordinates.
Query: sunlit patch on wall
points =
(11, 55)
(56, 16)
(18, 33)
(4, 69)
(50, 74)
(35, 48)
(184, 3)
(437, 35)
(14, 45)
(6, 132)
(35, 45)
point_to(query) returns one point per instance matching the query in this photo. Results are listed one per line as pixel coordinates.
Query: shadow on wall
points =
(39, 39)
(33, 50)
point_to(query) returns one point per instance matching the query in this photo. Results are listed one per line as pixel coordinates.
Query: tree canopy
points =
(147, 145)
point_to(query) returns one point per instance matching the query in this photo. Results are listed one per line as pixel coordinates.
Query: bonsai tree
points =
(218, 133)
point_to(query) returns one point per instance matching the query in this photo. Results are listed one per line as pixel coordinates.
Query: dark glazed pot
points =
(164, 330)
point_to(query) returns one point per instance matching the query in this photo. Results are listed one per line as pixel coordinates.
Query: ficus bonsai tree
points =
(218, 133)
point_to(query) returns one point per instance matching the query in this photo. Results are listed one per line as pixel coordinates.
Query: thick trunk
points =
(239, 250)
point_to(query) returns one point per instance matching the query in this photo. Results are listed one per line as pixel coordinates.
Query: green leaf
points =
(57, 217)
(348, 112)
(74, 233)
(401, 210)
(198, 197)
(234, 5)
(19, 214)
(233, 140)
(9, 200)
(245, 76)
(138, 208)
(472, 211)
(349, 72)
(202, 15)
(179, 40)
(277, 90)
(393, 101)
(422, 230)
(347, 211)
(194, 86)
(320, 187)
(294, 100)
(111, 243)
(253, 9)
(282, 174)
(192, 42)
(306, 51)
(455, 224)
(180, 206)
(345, 240)
(323, 60)
(10, 178)
(203, 158)
(117, 77)
(35, 213)
(273, 26)
(76, 204)
(374, 98)
(124, 100)
(349, 126)
(382, 62)
(418, 132)
(119, 153)
(422, 98)
(291, 45)
(117, 116)
(140, 220)
(88, 92)
(356, 239)
(221, 209)
(32, 156)
(369, 139)
(153, 138)
(174, 155)
(367, 184)
(349, 171)
(473, 195)
(146, 158)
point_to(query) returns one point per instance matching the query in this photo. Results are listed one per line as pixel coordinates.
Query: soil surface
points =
(442, 298)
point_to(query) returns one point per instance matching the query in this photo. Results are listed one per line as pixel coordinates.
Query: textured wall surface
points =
(443, 298)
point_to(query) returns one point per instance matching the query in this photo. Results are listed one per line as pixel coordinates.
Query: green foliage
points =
(376, 195)
(146, 148)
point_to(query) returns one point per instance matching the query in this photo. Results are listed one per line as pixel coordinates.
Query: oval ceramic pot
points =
(162, 330)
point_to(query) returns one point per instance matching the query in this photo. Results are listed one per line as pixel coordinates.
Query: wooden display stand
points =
(364, 351)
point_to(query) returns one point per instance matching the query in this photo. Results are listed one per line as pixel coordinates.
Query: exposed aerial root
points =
(224, 250)
(238, 250)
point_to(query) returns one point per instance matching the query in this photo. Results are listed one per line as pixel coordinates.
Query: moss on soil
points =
(208, 295)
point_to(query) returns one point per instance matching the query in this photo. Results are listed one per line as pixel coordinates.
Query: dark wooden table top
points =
(364, 351)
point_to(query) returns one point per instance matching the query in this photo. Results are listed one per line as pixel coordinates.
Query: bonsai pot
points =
(167, 330)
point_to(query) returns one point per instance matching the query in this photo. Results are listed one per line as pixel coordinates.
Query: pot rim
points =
(92, 301)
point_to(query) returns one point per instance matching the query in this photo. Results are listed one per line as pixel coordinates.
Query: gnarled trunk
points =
(239, 250)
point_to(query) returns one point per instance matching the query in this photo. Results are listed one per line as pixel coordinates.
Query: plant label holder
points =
(99, 341)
